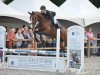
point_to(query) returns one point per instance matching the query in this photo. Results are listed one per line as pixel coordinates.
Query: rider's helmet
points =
(42, 7)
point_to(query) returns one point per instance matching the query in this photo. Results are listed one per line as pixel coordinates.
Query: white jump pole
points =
(3, 42)
(57, 50)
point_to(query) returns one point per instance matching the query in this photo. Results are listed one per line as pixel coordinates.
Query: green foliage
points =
(58, 2)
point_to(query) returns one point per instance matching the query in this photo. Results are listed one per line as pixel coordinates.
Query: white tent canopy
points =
(34, 5)
(8, 11)
(83, 10)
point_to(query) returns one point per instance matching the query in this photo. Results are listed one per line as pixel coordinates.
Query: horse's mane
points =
(38, 13)
(40, 16)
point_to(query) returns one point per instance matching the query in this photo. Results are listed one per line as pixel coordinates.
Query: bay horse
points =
(44, 25)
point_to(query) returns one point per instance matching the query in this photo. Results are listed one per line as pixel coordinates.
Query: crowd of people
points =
(19, 37)
(44, 41)
(24, 38)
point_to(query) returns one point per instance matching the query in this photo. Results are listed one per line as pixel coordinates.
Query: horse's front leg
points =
(62, 45)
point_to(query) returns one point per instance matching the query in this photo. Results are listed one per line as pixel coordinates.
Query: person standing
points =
(19, 37)
(26, 36)
(10, 38)
(90, 36)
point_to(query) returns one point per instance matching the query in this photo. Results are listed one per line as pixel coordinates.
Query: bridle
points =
(33, 20)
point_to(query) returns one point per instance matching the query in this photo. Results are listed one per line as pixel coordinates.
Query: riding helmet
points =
(43, 7)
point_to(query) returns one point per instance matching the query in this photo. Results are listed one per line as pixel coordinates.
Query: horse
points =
(43, 24)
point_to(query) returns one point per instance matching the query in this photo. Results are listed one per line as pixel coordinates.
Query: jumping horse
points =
(42, 24)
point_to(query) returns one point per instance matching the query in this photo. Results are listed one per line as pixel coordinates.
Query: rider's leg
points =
(52, 21)
(55, 21)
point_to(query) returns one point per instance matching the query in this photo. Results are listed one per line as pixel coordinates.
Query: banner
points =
(75, 47)
(2, 37)
(35, 63)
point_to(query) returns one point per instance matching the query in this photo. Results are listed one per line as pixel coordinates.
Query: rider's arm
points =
(49, 14)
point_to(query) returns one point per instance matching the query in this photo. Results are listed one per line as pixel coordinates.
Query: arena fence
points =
(89, 47)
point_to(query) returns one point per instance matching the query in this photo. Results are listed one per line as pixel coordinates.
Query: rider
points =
(48, 13)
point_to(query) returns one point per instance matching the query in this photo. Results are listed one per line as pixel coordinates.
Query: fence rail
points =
(88, 47)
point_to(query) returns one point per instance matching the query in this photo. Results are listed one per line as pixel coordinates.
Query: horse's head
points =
(39, 22)
(33, 19)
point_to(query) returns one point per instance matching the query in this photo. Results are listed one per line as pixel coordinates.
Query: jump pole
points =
(57, 50)
(3, 43)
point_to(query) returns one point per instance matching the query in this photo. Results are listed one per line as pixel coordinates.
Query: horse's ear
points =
(29, 12)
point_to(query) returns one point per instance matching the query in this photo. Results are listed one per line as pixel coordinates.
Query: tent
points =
(34, 5)
(83, 10)
(5, 10)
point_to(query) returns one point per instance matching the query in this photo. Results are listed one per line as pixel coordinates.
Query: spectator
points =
(22, 30)
(13, 30)
(31, 33)
(23, 26)
(49, 41)
(53, 43)
(98, 44)
(19, 37)
(43, 39)
(90, 36)
(26, 35)
(10, 38)
(32, 37)
(39, 42)
(16, 30)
